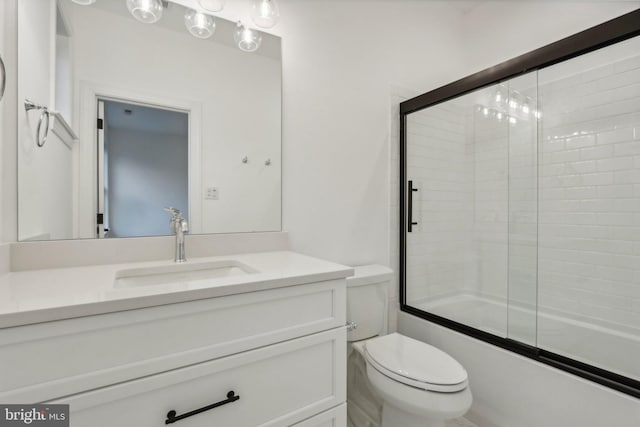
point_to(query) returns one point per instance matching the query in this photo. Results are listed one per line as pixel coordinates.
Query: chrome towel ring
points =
(44, 117)
(3, 78)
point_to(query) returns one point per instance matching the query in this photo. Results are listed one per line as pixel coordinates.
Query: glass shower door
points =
(457, 248)
(471, 165)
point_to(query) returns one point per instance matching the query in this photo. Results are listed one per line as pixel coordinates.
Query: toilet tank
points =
(367, 301)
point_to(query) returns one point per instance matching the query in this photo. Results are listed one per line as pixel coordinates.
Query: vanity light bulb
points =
(247, 39)
(84, 2)
(212, 5)
(525, 108)
(199, 25)
(147, 11)
(265, 13)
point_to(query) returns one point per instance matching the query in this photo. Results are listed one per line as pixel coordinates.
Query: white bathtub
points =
(611, 347)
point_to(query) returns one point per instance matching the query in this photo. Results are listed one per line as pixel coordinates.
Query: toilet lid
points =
(415, 363)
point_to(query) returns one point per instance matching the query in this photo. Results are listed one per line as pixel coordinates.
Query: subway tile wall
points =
(589, 219)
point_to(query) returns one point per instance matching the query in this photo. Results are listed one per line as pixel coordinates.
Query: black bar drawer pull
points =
(410, 222)
(172, 417)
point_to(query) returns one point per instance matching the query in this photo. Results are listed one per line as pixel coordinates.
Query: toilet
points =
(393, 380)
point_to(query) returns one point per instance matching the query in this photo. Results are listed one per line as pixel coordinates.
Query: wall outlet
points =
(212, 193)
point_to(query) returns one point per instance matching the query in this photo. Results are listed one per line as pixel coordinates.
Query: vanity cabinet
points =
(278, 385)
(281, 351)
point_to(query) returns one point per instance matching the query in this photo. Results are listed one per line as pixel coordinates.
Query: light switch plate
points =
(212, 193)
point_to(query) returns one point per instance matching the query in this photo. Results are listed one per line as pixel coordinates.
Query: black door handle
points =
(410, 222)
(172, 417)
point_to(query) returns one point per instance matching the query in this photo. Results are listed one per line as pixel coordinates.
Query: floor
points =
(460, 422)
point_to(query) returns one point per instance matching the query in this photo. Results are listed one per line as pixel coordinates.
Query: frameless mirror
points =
(119, 119)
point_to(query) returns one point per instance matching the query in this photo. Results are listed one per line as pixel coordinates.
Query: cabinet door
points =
(336, 417)
(277, 385)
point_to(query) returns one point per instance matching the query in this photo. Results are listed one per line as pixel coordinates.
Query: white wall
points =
(153, 164)
(340, 60)
(3, 54)
(8, 130)
(45, 173)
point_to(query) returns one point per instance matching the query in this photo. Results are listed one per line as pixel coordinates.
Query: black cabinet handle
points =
(172, 417)
(410, 222)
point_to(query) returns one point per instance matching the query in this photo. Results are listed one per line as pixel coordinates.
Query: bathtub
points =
(612, 347)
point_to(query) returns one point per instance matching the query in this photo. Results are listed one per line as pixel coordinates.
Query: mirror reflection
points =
(127, 118)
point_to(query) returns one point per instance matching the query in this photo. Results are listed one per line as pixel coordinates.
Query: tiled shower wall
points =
(589, 241)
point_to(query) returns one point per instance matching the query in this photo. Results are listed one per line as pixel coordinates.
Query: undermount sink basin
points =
(182, 273)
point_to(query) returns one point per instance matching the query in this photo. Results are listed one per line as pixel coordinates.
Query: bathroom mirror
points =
(125, 118)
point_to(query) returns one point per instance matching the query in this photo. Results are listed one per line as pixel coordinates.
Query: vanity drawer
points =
(278, 385)
(47, 360)
(336, 417)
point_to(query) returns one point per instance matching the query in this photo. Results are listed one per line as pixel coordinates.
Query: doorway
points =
(143, 167)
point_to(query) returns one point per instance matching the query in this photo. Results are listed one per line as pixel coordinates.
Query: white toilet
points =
(416, 384)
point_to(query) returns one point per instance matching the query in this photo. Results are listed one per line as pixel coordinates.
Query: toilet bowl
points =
(416, 384)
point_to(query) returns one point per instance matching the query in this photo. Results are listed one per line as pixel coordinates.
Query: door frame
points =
(86, 181)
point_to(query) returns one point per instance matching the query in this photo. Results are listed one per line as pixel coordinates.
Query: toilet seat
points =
(415, 363)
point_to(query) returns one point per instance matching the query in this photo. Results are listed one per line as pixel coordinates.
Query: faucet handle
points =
(174, 212)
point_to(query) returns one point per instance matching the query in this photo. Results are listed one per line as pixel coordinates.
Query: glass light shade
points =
(199, 24)
(212, 5)
(84, 2)
(265, 13)
(247, 39)
(147, 11)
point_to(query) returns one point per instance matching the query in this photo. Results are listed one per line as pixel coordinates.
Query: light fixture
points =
(526, 108)
(84, 2)
(247, 39)
(265, 13)
(199, 25)
(212, 5)
(147, 11)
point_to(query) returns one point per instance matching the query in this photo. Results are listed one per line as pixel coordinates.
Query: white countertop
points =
(36, 296)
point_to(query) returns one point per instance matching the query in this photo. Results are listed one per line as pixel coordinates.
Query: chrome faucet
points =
(179, 227)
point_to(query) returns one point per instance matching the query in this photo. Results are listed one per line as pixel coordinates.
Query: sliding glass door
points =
(521, 210)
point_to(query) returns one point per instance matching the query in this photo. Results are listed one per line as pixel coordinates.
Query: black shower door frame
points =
(614, 31)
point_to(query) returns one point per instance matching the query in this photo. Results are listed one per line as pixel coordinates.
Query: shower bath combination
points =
(520, 205)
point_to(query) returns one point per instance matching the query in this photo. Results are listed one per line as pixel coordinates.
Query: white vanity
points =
(246, 332)
(262, 334)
